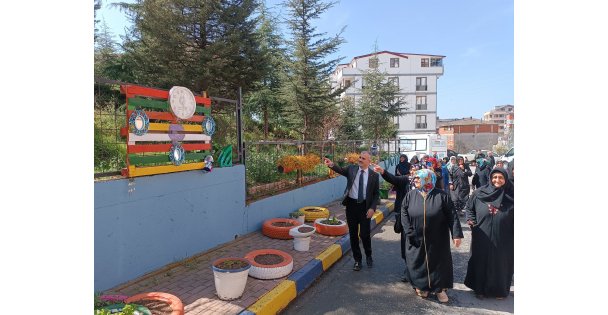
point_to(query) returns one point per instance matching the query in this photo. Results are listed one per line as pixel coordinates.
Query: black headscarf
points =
(495, 196)
(414, 160)
(403, 167)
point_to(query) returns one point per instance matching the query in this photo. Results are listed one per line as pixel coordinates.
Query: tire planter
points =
(174, 302)
(273, 229)
(312, 213)
(230, 283)
(269, 271)
(331, 230)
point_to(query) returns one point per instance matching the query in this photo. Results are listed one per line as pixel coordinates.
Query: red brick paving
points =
(192, 279)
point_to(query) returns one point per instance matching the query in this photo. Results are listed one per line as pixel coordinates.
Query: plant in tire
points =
(332, 221)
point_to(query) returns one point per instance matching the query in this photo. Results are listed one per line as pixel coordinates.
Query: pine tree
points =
(350, 121)
(379, 104)
(306, 88)
(201, 44)
(264, 102)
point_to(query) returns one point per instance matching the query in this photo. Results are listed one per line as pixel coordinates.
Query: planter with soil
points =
(312, 213)
(279, 228)
(230, 276)
(301, 237)
(159, 303)
(331, 227)
(269, 263)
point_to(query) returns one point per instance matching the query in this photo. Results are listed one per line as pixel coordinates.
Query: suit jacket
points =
(372, 192)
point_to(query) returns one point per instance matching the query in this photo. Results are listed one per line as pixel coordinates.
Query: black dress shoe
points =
(357, 266)
(369, 261)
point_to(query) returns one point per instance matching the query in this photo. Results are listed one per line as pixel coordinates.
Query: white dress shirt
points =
(354, 190)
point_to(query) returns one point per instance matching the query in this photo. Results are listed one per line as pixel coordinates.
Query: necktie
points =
(360, 192)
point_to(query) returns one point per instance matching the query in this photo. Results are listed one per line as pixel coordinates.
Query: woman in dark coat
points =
(482, 173)
(459, 174)
(490, 215)
(428, 218)
(402, 186)
(403, 167)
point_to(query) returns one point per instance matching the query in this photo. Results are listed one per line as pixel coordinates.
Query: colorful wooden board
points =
(148, 154)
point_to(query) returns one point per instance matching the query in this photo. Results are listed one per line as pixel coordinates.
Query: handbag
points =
(398, 228)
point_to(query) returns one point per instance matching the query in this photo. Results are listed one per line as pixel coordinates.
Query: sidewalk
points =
(192, 280)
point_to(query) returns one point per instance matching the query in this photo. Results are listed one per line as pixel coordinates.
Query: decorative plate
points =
(182, 102)
(177, 154)
(139, 122)
(209, 125)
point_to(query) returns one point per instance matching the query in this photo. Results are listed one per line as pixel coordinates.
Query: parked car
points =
(469, 157)
(508, 156)
(451, 153)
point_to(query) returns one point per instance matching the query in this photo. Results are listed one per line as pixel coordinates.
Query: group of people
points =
(429, 195)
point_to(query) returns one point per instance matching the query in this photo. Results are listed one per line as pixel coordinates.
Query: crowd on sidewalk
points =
(431, 194)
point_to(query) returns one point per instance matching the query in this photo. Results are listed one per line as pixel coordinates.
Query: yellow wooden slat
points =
(165, 127)
(153, 170)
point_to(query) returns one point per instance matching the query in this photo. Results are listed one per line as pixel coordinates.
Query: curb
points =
(287, 290)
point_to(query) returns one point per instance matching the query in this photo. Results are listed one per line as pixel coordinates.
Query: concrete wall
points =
(170, 217)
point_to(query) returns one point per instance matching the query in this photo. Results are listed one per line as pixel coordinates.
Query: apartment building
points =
(499, 116)
(415, 74)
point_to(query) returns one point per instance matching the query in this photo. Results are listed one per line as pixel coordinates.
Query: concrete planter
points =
(230, 283)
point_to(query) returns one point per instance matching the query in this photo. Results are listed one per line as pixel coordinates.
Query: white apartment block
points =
(501, 115)
(415, 74)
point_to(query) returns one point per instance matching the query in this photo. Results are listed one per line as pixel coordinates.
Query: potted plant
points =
(301, 237)
(230, 275)
(298, 215)
(384, 188)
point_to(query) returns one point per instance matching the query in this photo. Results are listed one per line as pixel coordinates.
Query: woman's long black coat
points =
(428, 224)
(490, 268)
(460, 179)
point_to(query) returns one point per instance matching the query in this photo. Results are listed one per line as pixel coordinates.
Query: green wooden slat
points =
(139, 160)
(138, 102)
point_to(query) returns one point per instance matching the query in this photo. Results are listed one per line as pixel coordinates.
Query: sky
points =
(476, 36)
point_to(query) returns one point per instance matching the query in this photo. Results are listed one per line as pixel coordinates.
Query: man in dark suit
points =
(361, 198)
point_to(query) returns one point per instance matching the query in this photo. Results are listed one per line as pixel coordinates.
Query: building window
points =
(420, 121)
(424, 62)
(373, 62)
(420, 102)
(347, 83)
(394, 80)
(394, 62)
(421, 84)
(436, 62)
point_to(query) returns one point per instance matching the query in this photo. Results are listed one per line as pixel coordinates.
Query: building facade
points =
(415, 74)
(499, 115)
(467, 134)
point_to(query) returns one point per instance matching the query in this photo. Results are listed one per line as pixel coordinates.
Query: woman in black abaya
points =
(490, 215)
(428, 218)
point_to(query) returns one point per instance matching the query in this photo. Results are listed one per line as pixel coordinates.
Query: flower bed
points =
(331, 227)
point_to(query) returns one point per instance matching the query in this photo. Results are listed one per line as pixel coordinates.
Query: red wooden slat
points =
(132, 90)
(140, 148)
(168, 116)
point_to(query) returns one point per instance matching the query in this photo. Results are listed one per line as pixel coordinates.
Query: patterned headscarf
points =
(427, 180)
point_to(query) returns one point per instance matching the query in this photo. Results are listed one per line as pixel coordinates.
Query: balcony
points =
(420, 125)
(420, 87)
(421, 107)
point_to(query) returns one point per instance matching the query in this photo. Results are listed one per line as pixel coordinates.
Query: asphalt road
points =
(378, 290)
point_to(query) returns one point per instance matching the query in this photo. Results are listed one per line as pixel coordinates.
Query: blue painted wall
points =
(170, 217)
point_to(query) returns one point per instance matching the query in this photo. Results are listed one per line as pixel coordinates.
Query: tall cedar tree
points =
(379, 104)
(264, 103)
(205, 45)
(306, 88)
(350, 121)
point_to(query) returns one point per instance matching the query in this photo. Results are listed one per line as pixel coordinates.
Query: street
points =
(379, 290)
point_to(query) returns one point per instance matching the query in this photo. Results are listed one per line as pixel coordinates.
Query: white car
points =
(508, 156)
